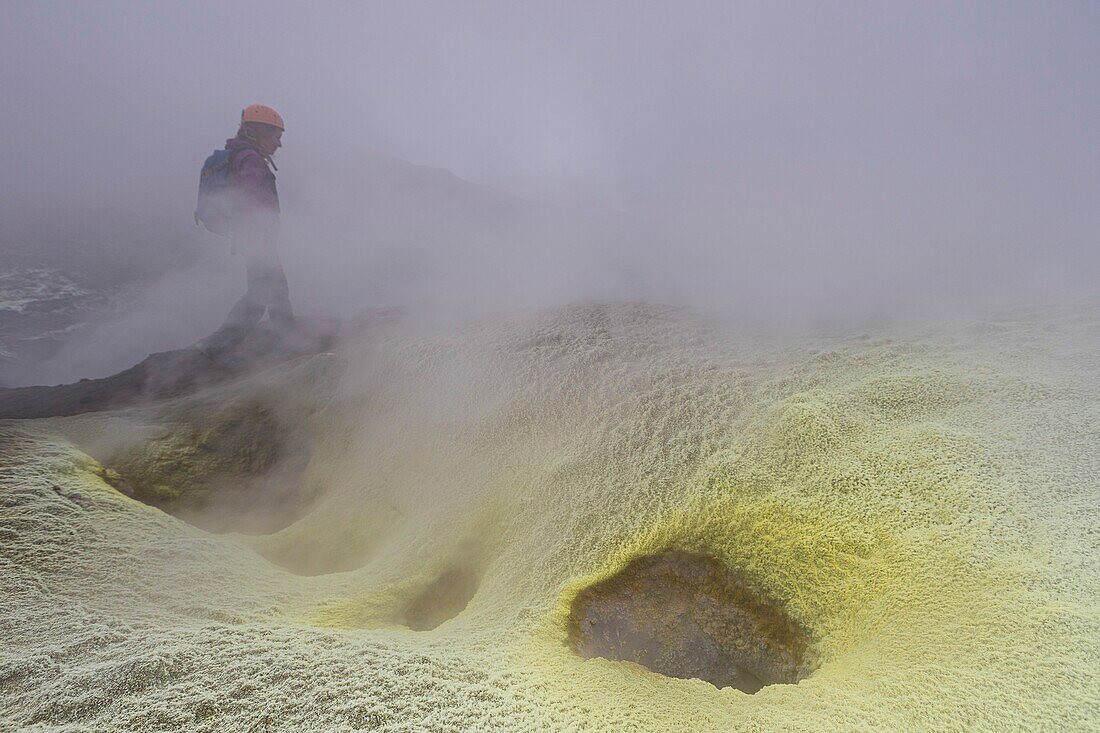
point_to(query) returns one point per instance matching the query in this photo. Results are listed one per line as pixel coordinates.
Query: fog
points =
(643, 355)
(786, 160)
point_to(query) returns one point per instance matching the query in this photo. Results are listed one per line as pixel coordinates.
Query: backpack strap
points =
(266, 158)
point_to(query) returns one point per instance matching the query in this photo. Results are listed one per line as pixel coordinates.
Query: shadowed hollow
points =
(685, 615)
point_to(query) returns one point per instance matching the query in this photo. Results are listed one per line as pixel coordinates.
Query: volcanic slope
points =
(914, 513)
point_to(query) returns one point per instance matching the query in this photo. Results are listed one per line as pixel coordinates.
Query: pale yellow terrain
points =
(924, 503)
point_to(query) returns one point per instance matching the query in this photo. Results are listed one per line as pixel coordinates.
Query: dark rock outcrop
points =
(686, 615)
(162, 375)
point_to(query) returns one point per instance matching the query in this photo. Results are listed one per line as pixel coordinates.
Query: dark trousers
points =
(267, 293)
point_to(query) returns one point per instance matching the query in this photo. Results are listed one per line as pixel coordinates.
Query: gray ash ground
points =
(57, 280)
(41, 308)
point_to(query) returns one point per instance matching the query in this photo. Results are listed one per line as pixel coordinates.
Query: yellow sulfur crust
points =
(923, 506)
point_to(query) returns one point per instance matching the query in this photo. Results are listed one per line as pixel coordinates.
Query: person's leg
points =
(277, 299)
(243, 316)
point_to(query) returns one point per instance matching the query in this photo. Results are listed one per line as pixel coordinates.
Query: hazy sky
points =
(916, 137)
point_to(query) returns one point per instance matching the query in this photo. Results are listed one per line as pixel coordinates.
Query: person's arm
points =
(256, 216)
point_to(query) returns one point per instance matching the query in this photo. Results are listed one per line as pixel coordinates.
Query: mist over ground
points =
(696, 366)
(790, 161)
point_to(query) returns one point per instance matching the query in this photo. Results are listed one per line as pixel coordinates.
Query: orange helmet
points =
(260, 113)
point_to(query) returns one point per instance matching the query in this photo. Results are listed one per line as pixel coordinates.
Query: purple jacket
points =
(253, 180)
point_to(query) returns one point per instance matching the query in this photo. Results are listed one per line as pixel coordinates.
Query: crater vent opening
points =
(686, 615)
(446, 597)
(233, 467)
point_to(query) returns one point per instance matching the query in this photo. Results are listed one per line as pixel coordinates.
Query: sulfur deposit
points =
(885, 531)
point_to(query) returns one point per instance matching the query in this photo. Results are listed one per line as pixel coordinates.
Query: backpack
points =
(214, 210)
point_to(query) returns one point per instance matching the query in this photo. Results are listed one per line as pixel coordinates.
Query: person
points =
(252, 203)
